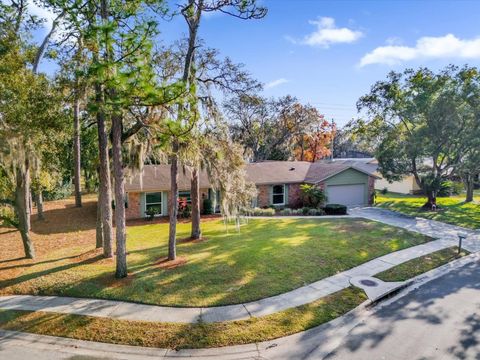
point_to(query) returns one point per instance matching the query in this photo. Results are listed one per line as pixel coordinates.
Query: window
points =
(154, 201)
(278, 195)
(185, 194)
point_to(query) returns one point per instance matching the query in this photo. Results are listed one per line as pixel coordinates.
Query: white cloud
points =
(275, 83)
(327, 33)
(448, 46)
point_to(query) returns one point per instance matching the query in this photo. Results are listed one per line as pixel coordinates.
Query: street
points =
(441, 320)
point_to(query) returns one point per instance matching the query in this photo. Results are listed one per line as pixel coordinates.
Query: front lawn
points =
(421, 265)
(453, 210)
(178, 336)
(268, 257)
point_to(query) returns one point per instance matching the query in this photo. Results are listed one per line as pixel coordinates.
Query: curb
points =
(422, 279)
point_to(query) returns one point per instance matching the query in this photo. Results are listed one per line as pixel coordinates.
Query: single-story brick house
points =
(278, 183)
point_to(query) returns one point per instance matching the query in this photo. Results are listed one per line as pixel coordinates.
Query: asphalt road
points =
(440, 320)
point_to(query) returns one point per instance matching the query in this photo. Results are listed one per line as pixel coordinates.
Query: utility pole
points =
(333, 138)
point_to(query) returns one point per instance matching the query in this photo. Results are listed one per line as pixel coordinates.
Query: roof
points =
(274, 172)
(157, 177)
(323, 170)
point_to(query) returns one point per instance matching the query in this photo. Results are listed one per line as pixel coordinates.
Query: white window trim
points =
(283, 193)
(155, 203)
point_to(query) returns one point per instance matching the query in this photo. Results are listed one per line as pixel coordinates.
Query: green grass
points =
(266, 258)
(420, 265)
(453, 210)
(177, 336)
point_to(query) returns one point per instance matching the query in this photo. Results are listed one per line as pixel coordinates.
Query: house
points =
(278, 184)
(407, 185)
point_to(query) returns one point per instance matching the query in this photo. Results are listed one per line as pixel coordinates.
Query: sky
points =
(329, 53)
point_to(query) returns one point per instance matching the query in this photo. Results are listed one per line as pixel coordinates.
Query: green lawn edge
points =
(420, 265)
(185, 336)
(265, 259)
(452, 210)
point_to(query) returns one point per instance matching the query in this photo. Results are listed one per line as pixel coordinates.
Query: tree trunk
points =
(39, 201)
(28, 196)
(173, 204)
(469, 186)
(120, 231)
(431, 203)
(105, 186)
(195, 196)
(21, 209)
(76, 149)
(99, 228)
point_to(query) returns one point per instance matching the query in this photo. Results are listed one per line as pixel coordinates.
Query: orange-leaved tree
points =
(316, 143)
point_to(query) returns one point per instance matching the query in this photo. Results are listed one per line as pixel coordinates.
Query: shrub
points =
(286, 211)
(312, 212)
(207, 207)
(320, 212)
(312, 196)
(185, 211)
(316, 212)
(7, 216)
(384, 191)
(151, 212)
(305, 210)
(263, 212)
(335, 209)
(297, 212)
(59, 192)
(449, 188)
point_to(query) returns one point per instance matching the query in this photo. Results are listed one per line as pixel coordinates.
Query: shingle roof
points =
(157, 177)
(322, 170)
(275, 172)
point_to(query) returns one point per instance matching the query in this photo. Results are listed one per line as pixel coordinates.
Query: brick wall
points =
(263, 196)
(133, 210)
(294, 196)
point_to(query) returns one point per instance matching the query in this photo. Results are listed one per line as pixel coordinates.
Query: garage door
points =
(346, 194)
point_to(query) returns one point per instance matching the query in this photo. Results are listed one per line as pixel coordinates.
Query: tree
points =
(28, 110)
(416, 118)
(317, 143)
(270, 129)
(469, 167)
(187, 112)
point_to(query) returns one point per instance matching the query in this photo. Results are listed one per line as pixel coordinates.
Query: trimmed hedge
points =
(335, 209)
(263, 212)
(207, 207)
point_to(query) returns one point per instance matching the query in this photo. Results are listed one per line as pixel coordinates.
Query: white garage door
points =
(346, 194)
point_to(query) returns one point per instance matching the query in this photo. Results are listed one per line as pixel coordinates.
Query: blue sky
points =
(329, 53)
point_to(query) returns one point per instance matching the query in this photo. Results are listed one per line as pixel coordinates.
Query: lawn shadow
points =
(26, 277)
(260, 261)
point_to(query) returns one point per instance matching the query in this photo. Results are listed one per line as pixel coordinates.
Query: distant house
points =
(407, 185)
(278, 184)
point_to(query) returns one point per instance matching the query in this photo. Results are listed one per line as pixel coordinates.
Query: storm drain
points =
(375, 288)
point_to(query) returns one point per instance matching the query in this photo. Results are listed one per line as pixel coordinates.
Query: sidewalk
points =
(446, 234)
(433, 228)
(303, 295)
(315, 343)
